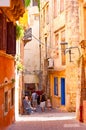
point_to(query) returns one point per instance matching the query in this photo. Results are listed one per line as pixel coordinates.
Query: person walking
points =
(34, 99)
(42, 102)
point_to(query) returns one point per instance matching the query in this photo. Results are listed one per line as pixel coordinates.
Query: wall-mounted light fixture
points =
(69, 50)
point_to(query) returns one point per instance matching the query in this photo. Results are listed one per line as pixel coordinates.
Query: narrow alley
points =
(54, 119)
(43, 62)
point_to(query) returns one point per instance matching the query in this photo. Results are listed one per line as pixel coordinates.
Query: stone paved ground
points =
(48, 120)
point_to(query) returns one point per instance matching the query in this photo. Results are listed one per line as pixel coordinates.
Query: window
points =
(46, 47)
(55, 8)
(63, 57)
(47, 14)
(36, 17)
(56, 39)
(61, 5)
(43, 17)
(6, 102)
(3, 32)
(35, 2)
(58, 7)
(56, 86)
(12, 96)
(56, 42)
(63, 36)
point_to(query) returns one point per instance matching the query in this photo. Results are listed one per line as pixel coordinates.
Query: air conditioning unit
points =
(50, 63)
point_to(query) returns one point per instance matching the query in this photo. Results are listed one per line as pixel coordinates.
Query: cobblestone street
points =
(48, 120)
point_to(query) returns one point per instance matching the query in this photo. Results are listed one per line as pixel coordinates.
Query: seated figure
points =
(27, 105)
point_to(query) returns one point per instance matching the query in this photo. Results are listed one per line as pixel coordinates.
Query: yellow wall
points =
(24, 20)
(56, 100)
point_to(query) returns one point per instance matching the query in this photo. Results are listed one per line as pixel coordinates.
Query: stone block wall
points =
(72, 37)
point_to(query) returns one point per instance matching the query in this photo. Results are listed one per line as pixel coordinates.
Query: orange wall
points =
(56, 100)
(1, 108)
(6, 70)
(6, 67)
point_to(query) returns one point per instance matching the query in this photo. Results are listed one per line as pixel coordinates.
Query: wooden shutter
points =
(55, 86)
(11, 38)
(3, 32)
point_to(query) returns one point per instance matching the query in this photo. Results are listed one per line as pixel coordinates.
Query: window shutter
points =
(11, 38)
(55, 86)
(3, 32)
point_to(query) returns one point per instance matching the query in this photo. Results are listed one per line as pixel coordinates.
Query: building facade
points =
(31, 50)
(61, 34)
(81, 92)
(8, 17)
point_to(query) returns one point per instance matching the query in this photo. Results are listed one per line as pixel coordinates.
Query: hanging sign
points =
(4, 3)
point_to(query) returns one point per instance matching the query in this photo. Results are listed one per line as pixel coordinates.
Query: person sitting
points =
(27, 105)
(49, 104)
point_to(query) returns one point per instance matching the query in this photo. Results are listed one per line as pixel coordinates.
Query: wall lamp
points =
(69, 50)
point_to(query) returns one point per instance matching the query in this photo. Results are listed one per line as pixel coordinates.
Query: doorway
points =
(62, 91)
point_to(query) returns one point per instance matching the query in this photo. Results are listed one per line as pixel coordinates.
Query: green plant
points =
(20, 67)
(39, 4)
(13, 80)
(27, 3)
(19, 32)
(19, 64)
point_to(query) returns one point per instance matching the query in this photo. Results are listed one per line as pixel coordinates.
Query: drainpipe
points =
(40, 75)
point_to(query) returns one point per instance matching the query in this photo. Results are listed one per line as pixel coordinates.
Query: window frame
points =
(12, 96)
(61, 6)
(56, 86)
(6, 101)
(55, 9)
(63, 47)
(47, 14)
(34, 3)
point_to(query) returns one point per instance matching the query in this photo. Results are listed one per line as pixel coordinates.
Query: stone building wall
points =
(70, 21)
(72, 37)
(81, 91)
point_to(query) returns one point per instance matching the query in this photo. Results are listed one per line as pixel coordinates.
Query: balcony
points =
(15, 10)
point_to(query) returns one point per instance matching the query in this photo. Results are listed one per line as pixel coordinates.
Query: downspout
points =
(40, 75)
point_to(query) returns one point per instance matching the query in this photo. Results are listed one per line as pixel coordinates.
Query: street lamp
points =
(69, 50)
